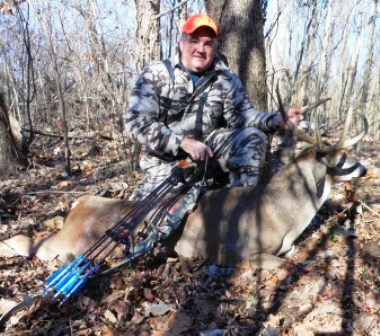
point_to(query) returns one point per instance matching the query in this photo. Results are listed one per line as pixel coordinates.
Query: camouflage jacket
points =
(227, 102)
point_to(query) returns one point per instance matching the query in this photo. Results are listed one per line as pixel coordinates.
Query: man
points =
(181, 117)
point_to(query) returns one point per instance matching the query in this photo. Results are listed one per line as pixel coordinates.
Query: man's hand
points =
(294, 116)
(196, 149)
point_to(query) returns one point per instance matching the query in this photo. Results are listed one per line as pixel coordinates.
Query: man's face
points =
(198, 50)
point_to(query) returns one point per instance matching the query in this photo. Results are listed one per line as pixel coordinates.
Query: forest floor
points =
(329, 286)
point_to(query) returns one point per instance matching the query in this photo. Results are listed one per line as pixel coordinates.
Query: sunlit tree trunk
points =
(148, 44)
(345, 72)
(367, 78)
(324, 67)
(303, 79)
(147, 32)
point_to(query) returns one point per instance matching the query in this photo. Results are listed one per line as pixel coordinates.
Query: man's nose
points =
(200, 47)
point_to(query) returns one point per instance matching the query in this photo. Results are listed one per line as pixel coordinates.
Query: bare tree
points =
(148, 43)
(369, 50)
(324, 73)
(324, 48)
(147, 32)
(307, 60)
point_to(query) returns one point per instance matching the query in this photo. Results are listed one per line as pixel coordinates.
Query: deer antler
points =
(290, 126)
(307, 108)
(342, 142)
(317, 140)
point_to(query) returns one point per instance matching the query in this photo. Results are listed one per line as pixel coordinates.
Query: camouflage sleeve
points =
(142, 118)
(238, 110)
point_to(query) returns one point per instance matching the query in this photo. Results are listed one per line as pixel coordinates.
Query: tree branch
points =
(170, 10)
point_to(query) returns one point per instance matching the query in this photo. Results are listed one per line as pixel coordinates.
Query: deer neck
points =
(294, 197)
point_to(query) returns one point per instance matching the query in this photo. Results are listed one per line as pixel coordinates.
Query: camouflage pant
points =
(240, 152)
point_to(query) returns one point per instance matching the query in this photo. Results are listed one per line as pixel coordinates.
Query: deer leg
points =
(18, 245)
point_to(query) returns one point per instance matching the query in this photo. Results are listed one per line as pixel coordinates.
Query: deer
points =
(230, 225)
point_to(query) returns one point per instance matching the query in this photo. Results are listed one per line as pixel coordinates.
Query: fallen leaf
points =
(110, 316)
(156, 309)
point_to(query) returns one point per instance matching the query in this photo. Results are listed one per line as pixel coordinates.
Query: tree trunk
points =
(303, 81)
(241, 39)
(7, 157)
(11, 156)
(370, 53)
(241, 25)
(147, 32)
(324, 69)
(148, 45)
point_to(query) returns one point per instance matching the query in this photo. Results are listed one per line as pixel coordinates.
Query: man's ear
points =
(180, 46)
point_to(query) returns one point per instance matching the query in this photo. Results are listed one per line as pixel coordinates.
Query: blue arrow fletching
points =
(59, 274)
(79, 285)
(69, 282)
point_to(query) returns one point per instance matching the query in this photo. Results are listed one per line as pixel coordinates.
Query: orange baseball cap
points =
(199, 20)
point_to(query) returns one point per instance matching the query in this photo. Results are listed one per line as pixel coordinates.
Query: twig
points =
(370, 221)
(170, 10)
(236, 298)
(368, 208)
(52, 135)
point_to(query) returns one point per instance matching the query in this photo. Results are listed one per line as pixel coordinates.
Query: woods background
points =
(67, 67)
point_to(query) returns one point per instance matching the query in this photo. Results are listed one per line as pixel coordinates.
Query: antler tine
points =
(307, 108)
(360, 136)
(290, 127)
(317, 141)
(342, 142)
(347, 123)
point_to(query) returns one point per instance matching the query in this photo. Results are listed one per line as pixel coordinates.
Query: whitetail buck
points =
(230, 225)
